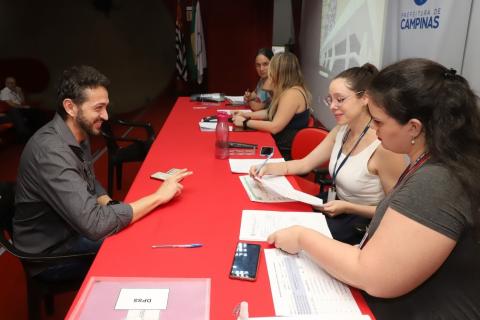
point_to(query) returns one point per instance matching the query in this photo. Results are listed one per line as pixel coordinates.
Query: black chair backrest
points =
(7, 205)
(107, 132)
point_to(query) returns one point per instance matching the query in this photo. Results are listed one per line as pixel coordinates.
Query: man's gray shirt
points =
(56, 196)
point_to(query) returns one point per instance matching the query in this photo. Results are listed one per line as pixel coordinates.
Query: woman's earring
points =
(413, 141)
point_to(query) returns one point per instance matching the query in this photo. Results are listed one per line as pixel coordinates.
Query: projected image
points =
(352, 34)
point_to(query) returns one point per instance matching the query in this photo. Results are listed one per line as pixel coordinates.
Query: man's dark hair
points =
(73, 83)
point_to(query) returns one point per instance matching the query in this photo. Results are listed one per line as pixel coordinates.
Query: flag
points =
(199, 49)
(180, 46)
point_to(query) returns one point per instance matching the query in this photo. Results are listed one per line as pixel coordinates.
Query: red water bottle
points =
(221, 143)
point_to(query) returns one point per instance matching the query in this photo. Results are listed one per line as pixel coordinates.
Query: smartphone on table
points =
(266, 151)
(245, 261)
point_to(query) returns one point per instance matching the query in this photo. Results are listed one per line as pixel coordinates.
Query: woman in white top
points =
(362, 170)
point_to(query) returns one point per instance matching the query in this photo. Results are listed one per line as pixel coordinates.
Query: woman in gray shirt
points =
(421, 257)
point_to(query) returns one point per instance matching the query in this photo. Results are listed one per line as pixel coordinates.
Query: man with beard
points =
(60, 206)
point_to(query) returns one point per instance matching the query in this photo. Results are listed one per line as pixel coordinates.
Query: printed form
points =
(259, 193)
(300, 287)
(257, 225)
(276, 189)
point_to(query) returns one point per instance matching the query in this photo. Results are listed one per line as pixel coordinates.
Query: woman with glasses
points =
(289, 110)
(362, 170)
(259, 98)
(421, 258)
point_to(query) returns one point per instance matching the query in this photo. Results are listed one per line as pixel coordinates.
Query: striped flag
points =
(200, 52)
(180, 46)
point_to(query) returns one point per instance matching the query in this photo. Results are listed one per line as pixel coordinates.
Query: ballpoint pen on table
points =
(188, 245)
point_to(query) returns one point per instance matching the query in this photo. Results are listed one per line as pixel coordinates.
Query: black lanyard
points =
(335, 170)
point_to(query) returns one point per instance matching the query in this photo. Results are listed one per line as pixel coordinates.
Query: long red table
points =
(208, 212)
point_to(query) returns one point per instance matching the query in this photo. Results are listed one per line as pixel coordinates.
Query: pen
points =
(188, 245)
(264, 162)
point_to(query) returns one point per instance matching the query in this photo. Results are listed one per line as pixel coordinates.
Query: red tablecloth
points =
(208, 212)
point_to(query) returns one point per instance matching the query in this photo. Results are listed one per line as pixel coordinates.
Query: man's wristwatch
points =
(112, 202)
(245, 122)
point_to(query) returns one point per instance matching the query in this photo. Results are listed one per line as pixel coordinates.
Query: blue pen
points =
(189, 245)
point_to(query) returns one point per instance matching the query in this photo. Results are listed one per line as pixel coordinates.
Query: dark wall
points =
(133, 43)
(235, 30)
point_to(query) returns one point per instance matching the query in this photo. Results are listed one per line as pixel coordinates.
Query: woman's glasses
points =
(328, 100)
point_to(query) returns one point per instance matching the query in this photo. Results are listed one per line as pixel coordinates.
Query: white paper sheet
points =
(257, 225)
(231, 111)
(259, 193)
(290, 193)
(235, 100)
(243, 165)
(209, 126)
(300, 287)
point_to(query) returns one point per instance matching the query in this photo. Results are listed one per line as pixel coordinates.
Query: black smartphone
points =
(266, 151)
(245, 261)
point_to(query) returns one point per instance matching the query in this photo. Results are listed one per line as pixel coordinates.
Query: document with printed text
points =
(259, 193)
(257, 225)
(300, 287)
(276, 189)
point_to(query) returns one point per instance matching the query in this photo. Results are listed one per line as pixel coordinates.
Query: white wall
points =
(471, 65)
(310, 37)
(134, 46)
(310, 51)
(283, 31)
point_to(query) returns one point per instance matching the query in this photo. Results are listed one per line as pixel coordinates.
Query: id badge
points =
(332, 194)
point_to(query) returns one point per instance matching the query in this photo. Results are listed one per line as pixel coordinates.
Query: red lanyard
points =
(413, 167)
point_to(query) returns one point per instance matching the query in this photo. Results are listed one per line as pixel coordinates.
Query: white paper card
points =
(142, 299)
(257, 225)
(243, 165)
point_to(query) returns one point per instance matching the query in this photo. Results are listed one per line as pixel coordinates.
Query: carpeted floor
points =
(13, 302)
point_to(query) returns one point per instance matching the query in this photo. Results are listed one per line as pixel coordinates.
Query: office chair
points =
(132, 149)
(304, 142)
(38, 289)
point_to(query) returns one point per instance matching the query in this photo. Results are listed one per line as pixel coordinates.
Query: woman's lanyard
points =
(413, 167)
(405, 175)
(332, 192)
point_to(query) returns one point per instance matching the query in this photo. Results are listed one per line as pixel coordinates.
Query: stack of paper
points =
(300, 287)
(210, 126)
(257, 225)
(235, 100)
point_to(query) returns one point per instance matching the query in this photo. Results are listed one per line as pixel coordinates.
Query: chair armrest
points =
(125, 139)
(146, 125)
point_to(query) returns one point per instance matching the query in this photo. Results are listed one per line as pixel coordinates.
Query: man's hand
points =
(171, 187)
